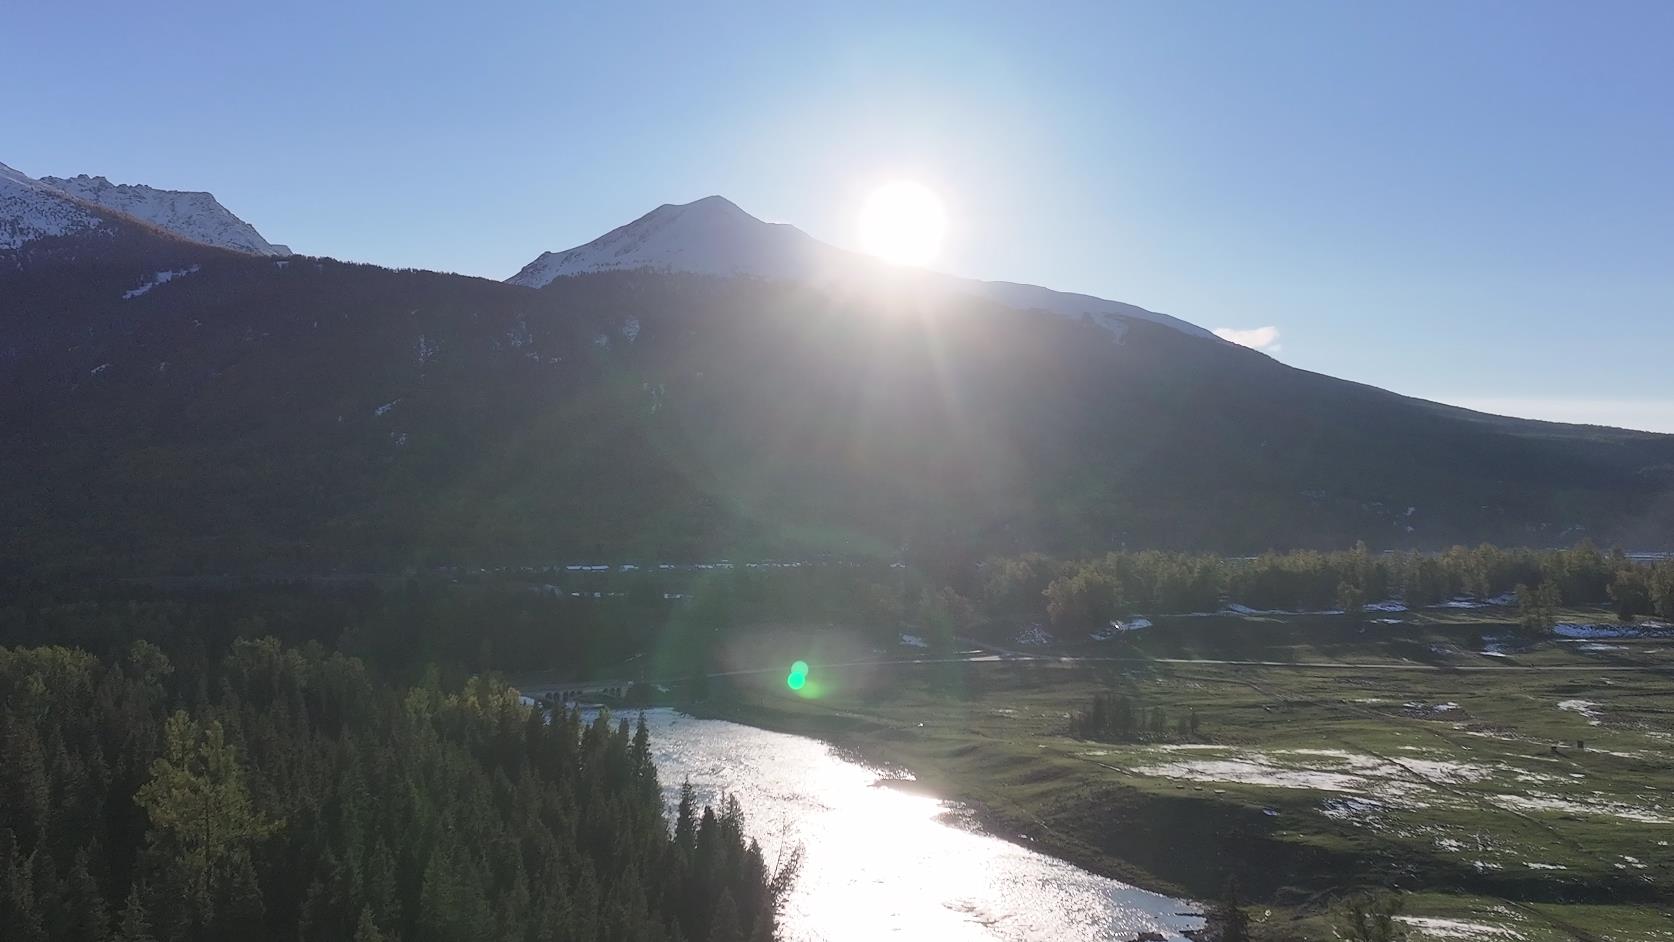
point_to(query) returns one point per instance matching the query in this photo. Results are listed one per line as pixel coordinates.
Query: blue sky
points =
(1470, 202)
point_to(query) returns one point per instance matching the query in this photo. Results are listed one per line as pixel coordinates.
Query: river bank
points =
(1464, 789)
(888, 861)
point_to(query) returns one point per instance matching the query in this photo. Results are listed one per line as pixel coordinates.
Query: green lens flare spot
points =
(800, 667)
(796, 680)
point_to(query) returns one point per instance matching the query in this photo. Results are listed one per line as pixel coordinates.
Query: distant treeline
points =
(1116, 585)
(285, 793)
(460, 629)
(513, 625)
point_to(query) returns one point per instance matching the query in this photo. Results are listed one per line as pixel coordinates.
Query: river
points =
(880, 862)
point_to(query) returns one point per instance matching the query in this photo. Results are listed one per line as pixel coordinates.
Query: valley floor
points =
(1528, 800)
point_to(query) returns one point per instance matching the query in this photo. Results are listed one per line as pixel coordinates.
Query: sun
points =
(903, 222)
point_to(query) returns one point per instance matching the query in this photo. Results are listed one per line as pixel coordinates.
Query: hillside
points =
(299, 415)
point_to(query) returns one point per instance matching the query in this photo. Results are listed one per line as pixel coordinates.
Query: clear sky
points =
(1466, 201)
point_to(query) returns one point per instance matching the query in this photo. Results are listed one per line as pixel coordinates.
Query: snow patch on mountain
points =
(195, 216)
(713, 236)
(29, 211)
(157, 278)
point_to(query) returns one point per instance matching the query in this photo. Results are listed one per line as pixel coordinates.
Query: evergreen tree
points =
(685, 820)
(366, 930)
(85, 917)
(1226, 920)
(201, 812)
(134, 924)
(724, 926)
(20, 913)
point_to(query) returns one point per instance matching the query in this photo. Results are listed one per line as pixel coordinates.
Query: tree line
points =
(405, 628)
(286, 792)
(1115, 585)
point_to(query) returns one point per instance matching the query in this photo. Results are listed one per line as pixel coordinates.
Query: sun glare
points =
(903, 222)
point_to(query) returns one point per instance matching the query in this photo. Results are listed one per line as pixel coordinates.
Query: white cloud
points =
(1650, 415)
(1265, 339)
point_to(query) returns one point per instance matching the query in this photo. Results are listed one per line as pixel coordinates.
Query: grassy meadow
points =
(1512, 789)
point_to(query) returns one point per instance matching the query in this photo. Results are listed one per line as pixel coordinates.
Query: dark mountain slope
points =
(301, 414)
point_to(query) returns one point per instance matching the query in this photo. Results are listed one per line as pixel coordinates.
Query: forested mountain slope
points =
(297, 415)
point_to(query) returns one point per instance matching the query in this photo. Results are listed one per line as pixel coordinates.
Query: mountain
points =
(713, 236)
(190, 215)
(303, 415)
(56, 215)
(29, 211)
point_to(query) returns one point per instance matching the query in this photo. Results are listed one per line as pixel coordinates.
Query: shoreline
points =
(991, 820)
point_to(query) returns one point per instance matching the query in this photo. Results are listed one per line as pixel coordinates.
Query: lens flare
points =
(798, 676)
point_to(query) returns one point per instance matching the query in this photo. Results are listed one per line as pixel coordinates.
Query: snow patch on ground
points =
(1586, 708)
(1343, 809)
(1034, 636)
(1466, 601)
(1118, 626)
(1649, 629)
(1603, 809)
(1438, 928)
(1419, 706)
(1331, 770)
(1493, 646)
(1363, 786)
(913, 641)
(1253, 772)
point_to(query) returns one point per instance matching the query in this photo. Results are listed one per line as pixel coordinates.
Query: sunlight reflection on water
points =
(881, 862)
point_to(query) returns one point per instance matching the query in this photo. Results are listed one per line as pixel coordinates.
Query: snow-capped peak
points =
(195, 216)
(710, 236)
(713, 236)
(30, 210)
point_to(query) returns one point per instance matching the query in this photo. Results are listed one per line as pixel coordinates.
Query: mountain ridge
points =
(170, 406)
(318, 415)
(192, 214)
(49, 207)
(714, 236)
(30, 211)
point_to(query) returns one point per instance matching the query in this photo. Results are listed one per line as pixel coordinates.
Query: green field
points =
(1520, 796)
